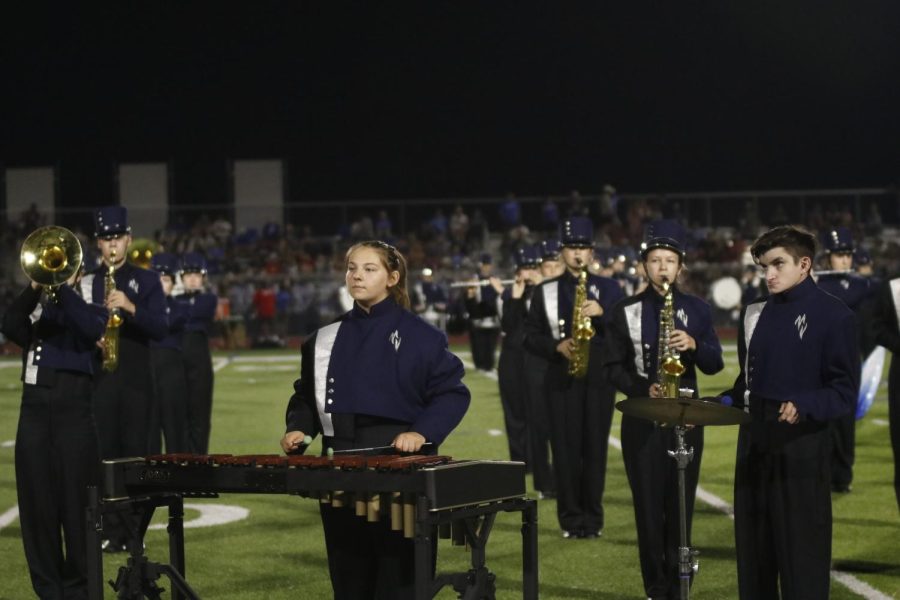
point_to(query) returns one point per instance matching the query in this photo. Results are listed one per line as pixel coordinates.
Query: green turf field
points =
(277, 551)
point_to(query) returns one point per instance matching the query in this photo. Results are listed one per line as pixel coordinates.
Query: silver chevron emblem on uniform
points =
(395, 339)
(800, 322)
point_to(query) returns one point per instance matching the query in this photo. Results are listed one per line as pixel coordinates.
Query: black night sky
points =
(449, 99)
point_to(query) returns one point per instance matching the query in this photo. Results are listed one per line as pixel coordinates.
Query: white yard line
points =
(9, 516)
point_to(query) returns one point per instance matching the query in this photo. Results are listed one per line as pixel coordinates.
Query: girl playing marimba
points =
(378, 376)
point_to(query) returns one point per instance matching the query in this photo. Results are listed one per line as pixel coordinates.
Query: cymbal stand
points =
(687, 565)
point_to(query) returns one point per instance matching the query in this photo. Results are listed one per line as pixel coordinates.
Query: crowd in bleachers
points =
(280, 280)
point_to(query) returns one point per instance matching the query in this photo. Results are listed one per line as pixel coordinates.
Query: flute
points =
(479, 283)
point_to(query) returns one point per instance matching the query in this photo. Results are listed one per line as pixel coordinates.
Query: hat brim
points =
(102, 235)
(657, 245)
(578, 245)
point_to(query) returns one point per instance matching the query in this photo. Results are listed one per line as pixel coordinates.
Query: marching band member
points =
(581, 408)
(198, 371)
(430, 300)
(123, 397)
(511, 365)
(167, 366)
(537, 395)
(630, 357)
(57, 453)
(482, 304)
(854, 291)
(552, 264)
(378, 376)
(886, 331)
(800, 368)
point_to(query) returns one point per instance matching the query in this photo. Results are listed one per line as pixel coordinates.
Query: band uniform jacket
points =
(484, 308)
(549, 321)
(388, 363)
(201, 307)
(176, 319)
(798, 346)
(631, 351)
(143, 288)
(54, 337)
(858, 293)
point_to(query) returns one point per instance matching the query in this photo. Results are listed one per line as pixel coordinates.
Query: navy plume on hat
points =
(663, 233)
(165, 263)
(111, 221)
(839, 239)
(193, 262)
(527, 257)
(550, 249)
(577, 232)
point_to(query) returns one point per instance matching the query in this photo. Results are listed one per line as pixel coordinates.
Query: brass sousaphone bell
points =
(50, 256)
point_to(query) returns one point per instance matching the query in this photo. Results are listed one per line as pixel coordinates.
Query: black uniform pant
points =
(123, 401)
(199, 375)
(782, 509)
(512, 397)
(653, 478)
(580, 419)
(368, 561)
(169, 413)
(56, 459)
(843, 449)
(484, 343)
(894, 417)
(537, 418)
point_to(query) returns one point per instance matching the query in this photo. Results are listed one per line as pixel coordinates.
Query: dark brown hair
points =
(392, 260)
(795, 240)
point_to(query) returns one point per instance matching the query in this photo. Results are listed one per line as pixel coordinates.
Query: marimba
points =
(420, 495)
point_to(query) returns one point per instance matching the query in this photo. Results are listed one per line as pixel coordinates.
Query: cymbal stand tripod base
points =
(687, 564)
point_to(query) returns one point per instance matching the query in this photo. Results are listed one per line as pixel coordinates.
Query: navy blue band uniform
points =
(365, 379)
(170, 384)
(201, 309)
(886, 331)
(123, 398)
(797, 346)
(484, 325)
(630, 357)
(57, 451)
(855, 291)
(581, 409)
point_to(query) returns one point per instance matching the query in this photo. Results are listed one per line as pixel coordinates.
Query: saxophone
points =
(582, 331)
(111, 336)
(669, 365)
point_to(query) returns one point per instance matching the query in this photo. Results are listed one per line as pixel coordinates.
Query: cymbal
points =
(682, 411)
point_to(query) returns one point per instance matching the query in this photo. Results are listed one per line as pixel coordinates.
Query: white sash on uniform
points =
(551, 307)
(324, 344)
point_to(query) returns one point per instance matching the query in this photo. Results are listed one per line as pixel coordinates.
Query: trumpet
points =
(50, 256)
(479, 283)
